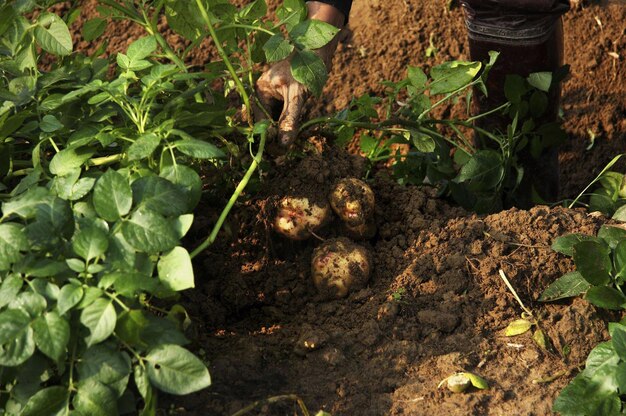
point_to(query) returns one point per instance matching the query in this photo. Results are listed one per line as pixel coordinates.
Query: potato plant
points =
(99, 184)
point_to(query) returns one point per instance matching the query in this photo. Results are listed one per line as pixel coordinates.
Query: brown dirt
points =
(435, 303)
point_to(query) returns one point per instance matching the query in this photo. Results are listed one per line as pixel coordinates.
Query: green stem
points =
(242, 185)
(242, 26)
(607, 167)
(495, 110)
(229, 65)
(105, 160)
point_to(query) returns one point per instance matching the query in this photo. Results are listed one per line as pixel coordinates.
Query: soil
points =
(435, 303)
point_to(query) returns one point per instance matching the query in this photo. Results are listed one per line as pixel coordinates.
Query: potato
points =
(297, 217)
(339, 266)
(353, 201)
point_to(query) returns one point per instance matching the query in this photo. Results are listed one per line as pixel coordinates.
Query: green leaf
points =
(620, 214)
(253, 11)
(105, 364)
(30, 302)
(477, 381)
(69, 296)
(538, 103)
(514, 88)
(188, 180)
(423, 142)
(451, 76)
(606, 297)
(95, 399)
(54, 37)
(567, 286)
(90, 242)
(184, 18)
(16, 338)
(312, 34)
(277, 48)
(484, 169)
(69, 159)
(612, 235)
(130, 326)
(159, 195)
(416, 77)
(51, 333)
(94, 28)
(47, 402)
(198, 149)
(112, 196)
(518, 327)
(619, 342)
(141, 48)
(50, 123)
(12, 243)
(128, 283)
(10, 287)
(25, 205)
(175, 370)
(100, 318)
(593, 262)
(565, 245)
(540, 339)
(175, 270)
(149, 232)
(540, 80)
(143, 146)
(291, 12)
(309, 69)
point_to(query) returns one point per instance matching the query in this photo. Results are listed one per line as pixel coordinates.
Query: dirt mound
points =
(434, 305)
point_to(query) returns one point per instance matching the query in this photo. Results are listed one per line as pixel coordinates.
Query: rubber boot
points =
(522, 57)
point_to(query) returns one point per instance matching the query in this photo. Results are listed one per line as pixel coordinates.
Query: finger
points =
(266, 104)
(289, 122)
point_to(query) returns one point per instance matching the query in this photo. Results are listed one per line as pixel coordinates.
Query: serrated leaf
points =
(277, 48)
(567, 286)
(112, 196)
(149, 232)
(51, 333)
(175, 270)
(99, 318)
(518, 327)
(309, 69)
(175, 370)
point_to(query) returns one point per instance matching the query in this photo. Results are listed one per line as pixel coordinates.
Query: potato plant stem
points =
(229, 65)
(231, 202)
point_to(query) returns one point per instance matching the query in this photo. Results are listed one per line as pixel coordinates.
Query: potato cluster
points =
(338, 265)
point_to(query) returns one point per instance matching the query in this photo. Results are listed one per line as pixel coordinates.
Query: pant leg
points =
(529, 36)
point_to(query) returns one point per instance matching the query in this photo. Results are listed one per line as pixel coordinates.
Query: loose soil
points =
(435, 303)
